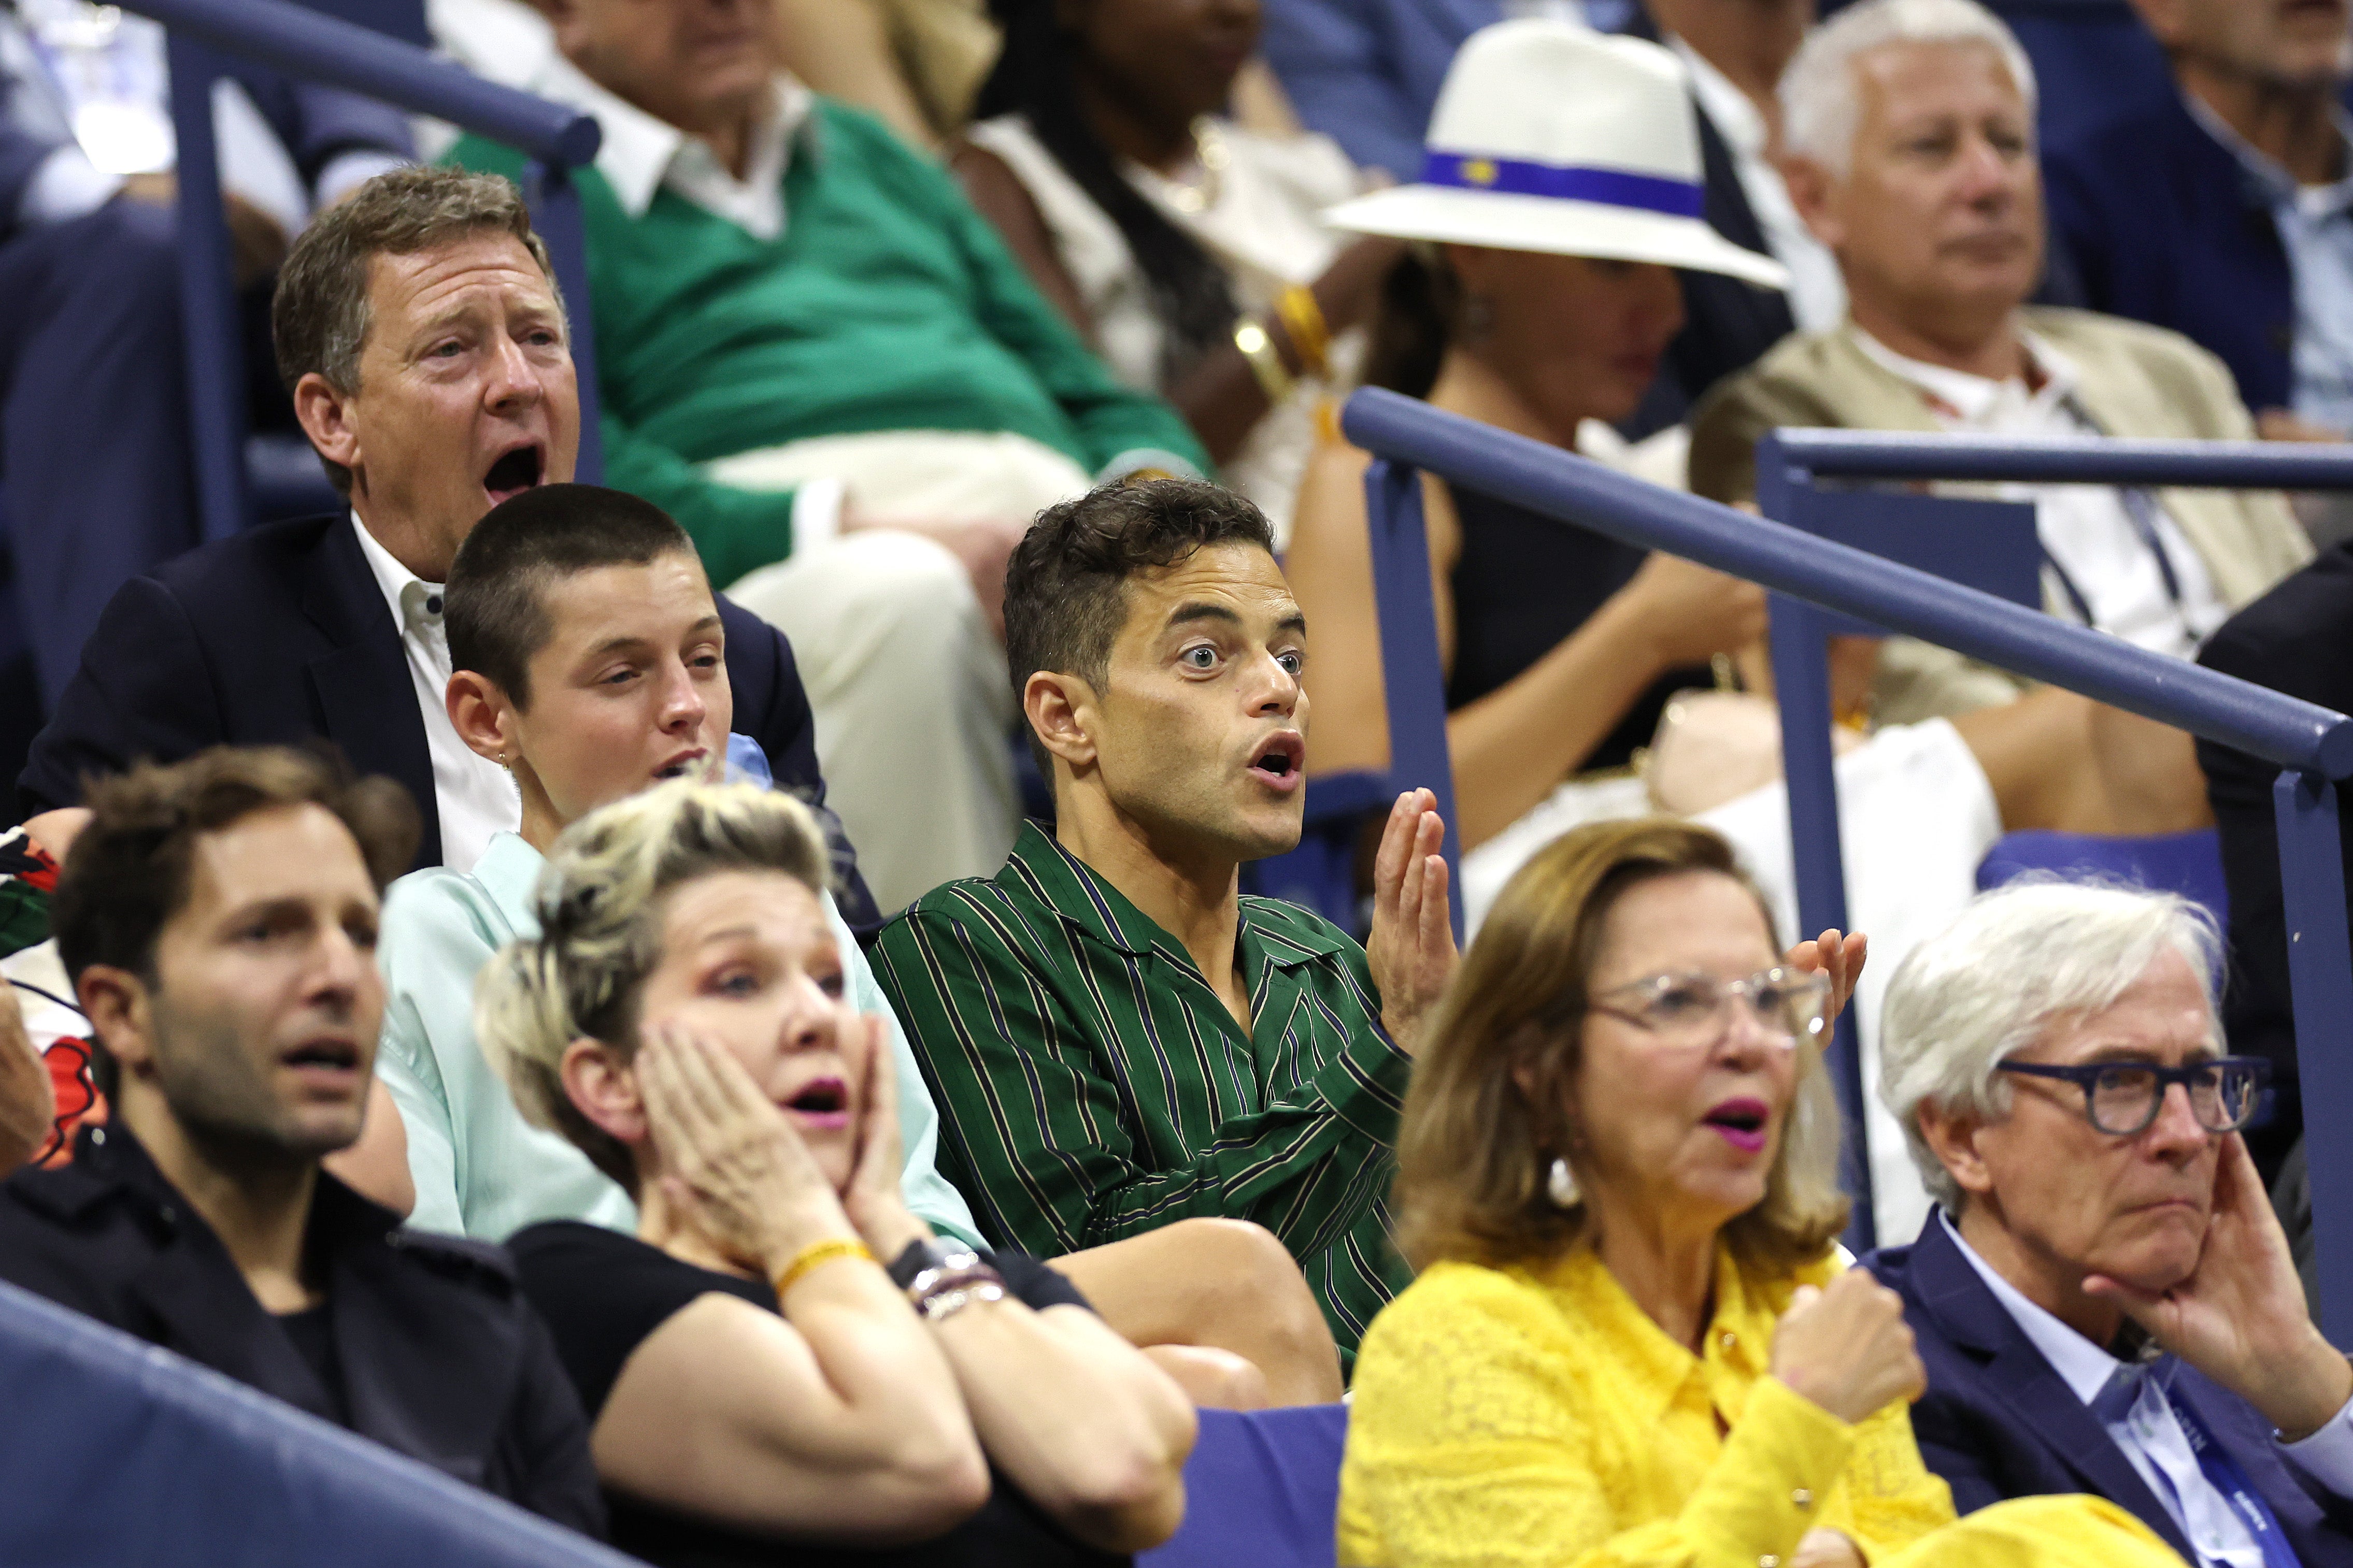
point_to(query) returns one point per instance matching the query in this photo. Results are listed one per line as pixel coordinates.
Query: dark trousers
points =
(95, 469)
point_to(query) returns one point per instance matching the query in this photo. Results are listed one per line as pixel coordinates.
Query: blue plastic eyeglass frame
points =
(2088, 1075)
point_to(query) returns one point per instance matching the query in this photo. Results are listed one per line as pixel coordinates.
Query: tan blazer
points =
(2137, 379)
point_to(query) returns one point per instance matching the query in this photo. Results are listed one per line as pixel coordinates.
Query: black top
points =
(603, 1293)
(1525, 583)
(2297, 640)
(313, 1331)
(279, 635)
(435, 1352)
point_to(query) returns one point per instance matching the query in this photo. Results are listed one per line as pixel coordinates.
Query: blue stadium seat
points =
(119, 1455)
(1262, 1490)
(2189, 864)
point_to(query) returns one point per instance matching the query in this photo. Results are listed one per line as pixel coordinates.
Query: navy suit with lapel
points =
(1997, 1422)
(281, 635)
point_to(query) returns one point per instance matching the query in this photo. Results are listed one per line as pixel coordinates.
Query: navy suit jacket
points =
(2158, 221)
(281, 635)
(1997, 1422)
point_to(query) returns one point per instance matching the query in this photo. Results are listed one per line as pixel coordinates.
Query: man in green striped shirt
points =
(1116, 1039)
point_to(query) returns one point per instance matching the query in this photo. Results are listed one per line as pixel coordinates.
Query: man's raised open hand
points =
(1412, 950)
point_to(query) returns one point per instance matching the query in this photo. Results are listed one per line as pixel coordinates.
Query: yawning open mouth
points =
(514, 472)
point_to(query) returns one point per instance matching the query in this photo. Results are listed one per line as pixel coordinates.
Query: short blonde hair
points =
(600, 904)
(1474, 1146)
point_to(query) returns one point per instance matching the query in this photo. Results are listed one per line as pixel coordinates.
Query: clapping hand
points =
(2241, 1317)
(1841, 957)
(1412, 950)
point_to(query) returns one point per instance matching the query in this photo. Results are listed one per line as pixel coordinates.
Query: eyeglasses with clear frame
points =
(2123, 1098)
(1684, 1010)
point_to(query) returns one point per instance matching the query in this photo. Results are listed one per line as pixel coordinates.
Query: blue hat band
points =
(1609, 188)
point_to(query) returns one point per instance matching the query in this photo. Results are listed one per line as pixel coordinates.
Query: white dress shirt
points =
(1816, 291)
(473, 798)
(2085, 529)
(2151, 1434)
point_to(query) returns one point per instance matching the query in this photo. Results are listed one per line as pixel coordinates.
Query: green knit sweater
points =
(888, 304)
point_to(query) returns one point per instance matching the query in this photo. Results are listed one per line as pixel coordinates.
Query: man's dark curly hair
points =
(1065, 588)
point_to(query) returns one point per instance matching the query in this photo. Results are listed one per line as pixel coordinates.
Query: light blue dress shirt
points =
(2129, 1403)
(480, 1168)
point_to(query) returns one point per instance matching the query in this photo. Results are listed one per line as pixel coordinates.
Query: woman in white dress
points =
(1188, 249)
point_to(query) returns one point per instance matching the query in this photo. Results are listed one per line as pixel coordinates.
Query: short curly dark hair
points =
(1065, 595)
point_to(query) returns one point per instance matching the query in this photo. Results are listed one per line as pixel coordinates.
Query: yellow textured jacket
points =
(1507, 1419)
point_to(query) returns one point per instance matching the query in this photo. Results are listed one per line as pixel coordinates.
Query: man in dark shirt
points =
(219, 918)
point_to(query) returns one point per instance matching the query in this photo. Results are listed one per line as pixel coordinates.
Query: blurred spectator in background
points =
(1911, 134)
(1368, 74)
(1190, 251)
(2297, 638)
(1633, 1339)
(28, 1101)
(785, 1364)
(2226, 212)
(1159, 652)
(814, 353)
(90, 341)
(419, 332)
(2104, 1299)
(219, 920)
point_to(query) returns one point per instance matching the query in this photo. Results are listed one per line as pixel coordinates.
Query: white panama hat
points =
(1551, 137)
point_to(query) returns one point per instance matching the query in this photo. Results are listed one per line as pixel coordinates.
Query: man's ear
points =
(1813, 191)
(1952, 1139)
(482, 716)
(325, 417)
(117, 1004)
(604, 1088)
(1062, 711)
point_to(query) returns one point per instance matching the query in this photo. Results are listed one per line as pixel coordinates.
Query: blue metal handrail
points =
(305, 44)
(2312, 744)
(2064, 459)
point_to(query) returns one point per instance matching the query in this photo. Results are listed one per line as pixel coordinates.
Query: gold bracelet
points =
(1303, 318)
(815, 1255)
(1265, 363)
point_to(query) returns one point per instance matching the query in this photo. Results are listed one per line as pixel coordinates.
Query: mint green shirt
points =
(480, 1168)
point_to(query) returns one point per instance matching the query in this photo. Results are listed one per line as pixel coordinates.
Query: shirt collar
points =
(639, 151)
(1088, 903)
(509, 872)
(404, 593)
(1969, 397)
(2276, 183)
(2085, 1367)
(1727, 107)
(1736, 1351)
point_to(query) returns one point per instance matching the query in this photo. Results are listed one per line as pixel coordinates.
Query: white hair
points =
(1821, 98)
(2013, 962)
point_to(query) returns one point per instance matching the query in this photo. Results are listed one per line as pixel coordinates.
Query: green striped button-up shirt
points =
(1093, 1085)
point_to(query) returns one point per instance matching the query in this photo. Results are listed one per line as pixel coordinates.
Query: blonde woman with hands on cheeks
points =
(1633, 1340)
(785, 1364)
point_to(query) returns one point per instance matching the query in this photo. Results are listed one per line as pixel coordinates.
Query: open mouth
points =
(1741, 1123)
(1281, 762)
(330, 1059)
(682, 765)
(821, 1102)
(514, 472)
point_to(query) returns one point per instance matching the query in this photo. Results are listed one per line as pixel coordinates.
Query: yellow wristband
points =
(1303, 318)
(815, 1255)
(1265, 362)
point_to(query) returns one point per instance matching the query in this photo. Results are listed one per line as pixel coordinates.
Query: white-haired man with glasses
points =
(2104, 1299)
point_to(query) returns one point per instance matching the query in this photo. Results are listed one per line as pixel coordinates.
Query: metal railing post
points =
(1418, 752)
(555, 214)
(215, 347)
(2312, 896)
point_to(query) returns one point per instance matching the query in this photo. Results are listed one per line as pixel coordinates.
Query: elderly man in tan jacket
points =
(1909, 128)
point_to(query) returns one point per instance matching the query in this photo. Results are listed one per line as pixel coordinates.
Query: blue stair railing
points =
(2312, 746)
(308, 47)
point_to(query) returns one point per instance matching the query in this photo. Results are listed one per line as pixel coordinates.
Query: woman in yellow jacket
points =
(1633, 1341)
